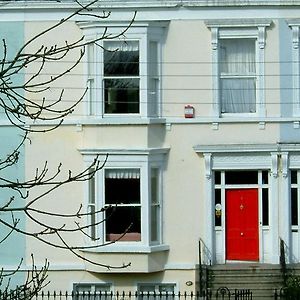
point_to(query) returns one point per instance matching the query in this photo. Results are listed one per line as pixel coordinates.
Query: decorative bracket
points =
(207, 158)
(274, 170)
(284, 162)
(295, 30)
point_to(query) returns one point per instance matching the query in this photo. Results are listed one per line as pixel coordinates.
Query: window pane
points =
(92, 218)
(121, 58)
(122, 186)
(293, 176)
(265, 177)
(237, 63)
(241, 177)
(294, 207)
(123, 223)
(121, 95)
(217, 177)
(238, 95)
(154, 204)
(237, 56)
(265, 207)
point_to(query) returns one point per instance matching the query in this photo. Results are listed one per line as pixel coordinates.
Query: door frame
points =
(221, 230)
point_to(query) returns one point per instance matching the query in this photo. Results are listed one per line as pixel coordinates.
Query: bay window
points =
(124, 202)
(123, 73)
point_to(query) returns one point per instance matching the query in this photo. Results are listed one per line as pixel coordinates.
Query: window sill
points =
(121, 247)
(121, 120)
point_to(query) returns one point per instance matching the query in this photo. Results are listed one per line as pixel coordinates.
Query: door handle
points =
(242, 233)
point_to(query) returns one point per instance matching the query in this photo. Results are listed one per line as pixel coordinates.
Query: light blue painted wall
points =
(288, 134)
(13, 249)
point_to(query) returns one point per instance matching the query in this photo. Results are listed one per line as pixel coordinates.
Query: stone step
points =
(261, 280)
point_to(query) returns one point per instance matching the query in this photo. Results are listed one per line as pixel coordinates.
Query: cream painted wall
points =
(186, 80)
(187, 69)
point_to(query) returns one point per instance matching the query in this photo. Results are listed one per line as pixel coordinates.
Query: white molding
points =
(125, 151)
(131, 247)
(230, 23)
(236, 148)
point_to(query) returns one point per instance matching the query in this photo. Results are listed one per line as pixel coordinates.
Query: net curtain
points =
(237, 80)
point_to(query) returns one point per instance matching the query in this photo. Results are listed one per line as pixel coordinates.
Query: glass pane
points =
(121, 96)
(265, 177)
(237, 56)
(92, 217)
(238, 95)
(293, 176)
(294, 207)
(121, 58)
(147, 288)
(217, 177)
(123, 223)
(265, 207)
(92, 190)
(166, 288)
(154, 204)
(218, 208)
(122, 190)
(241, 177)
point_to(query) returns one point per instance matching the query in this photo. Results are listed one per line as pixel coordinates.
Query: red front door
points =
(242, 224)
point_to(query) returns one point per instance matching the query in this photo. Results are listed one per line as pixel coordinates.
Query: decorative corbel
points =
(274, 157)
(284, 163)
(207, 158)
(214, 38)
(261, 37)
(295, 35)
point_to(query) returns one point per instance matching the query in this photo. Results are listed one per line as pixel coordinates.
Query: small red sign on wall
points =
(189, 111)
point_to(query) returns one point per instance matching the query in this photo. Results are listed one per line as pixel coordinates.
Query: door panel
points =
(242, 242)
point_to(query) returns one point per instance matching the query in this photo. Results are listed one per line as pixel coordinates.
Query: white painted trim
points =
(294, 24)
(131, 247)
(125, 151)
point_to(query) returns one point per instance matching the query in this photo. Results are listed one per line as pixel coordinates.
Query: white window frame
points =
(144, 160)
(235, 29)
(145, 34)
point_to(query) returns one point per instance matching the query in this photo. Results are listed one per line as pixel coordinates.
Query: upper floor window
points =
(238, 67)
(123, 74)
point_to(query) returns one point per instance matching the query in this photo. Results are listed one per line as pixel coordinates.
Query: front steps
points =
(261, 279)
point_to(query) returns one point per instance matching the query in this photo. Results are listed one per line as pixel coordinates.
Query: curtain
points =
(237, 75)
(122, 173)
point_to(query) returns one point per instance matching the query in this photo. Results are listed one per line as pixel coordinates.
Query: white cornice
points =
(238, 23)
(107, 4)
(246, 148)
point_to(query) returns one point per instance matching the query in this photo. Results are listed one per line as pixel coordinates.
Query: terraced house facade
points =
(197, 105)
